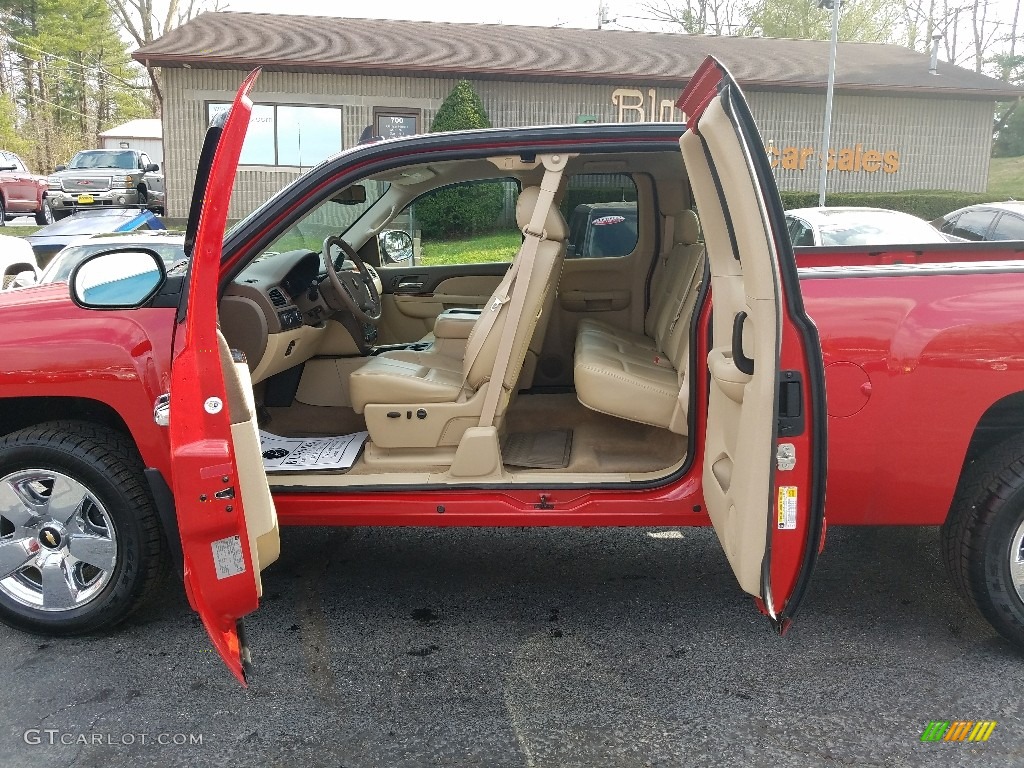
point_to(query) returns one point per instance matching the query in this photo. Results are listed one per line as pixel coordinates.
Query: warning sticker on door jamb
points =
(787, 507)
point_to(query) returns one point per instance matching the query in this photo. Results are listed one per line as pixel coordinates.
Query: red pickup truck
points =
(555, 392)
(22, 193)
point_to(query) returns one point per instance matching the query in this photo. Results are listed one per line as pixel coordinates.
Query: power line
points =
(97, 65)
(65, 78)
(60, 106)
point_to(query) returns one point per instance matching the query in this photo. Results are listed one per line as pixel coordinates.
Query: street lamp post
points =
(826, 132)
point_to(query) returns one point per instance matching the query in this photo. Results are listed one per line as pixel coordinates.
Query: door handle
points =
(743, 363)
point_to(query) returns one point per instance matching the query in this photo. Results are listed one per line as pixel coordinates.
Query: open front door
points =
(764, 456)
(226, 515)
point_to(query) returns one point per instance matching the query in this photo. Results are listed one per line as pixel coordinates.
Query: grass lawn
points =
(12, 231)
(1006, 177)
(501, 246)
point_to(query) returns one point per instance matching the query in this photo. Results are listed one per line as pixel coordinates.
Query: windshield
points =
(103, 159)
(876, 228)
(332, 217)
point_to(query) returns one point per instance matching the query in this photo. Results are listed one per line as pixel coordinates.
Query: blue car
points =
(49, 240)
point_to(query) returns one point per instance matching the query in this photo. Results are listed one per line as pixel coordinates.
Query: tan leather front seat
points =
(389, 380)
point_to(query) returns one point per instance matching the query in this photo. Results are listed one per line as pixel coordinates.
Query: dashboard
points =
(261, 312)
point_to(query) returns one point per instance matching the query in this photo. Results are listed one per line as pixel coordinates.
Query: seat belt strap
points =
(690, 286)
(488, 317)
(534, 233)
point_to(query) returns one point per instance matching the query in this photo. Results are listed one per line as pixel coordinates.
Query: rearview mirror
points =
(59, 168)
(353, 195)
(119, 279)
(396, 244)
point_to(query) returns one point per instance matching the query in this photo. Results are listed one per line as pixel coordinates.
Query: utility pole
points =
(827, 130)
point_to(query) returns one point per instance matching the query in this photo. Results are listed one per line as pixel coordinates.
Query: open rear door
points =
(226, 515)
(764, 455)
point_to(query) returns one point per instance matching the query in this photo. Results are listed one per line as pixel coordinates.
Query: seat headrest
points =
(687, 228)
(554, 225)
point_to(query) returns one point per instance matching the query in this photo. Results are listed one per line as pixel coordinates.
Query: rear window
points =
(601, 209)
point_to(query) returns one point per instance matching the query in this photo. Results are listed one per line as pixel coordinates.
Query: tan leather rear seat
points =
(642, 377)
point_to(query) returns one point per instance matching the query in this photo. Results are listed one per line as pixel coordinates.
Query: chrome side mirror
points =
(118, 279)
(396, 244)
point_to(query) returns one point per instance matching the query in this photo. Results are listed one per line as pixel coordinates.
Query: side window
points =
(16, 162)
(800, 233)
(973, 225)
(601, 209)
(469, 223)
(950, 225)
(1009, 227)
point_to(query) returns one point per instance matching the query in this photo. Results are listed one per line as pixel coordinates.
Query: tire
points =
(143, 198)
(99, 476)
(44, 215)
(983, 538)
(3, 213)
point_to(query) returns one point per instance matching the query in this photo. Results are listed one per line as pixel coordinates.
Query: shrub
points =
(465, 209)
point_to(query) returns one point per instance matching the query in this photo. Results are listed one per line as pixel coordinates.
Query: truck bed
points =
(924, 359)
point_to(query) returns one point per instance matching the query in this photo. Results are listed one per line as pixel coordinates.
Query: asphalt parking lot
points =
(407, 647)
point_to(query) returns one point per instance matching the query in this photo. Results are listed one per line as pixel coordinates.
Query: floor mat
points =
(538, 450)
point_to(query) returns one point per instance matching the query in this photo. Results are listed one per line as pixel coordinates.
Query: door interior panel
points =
(745, 336)
(415, 295)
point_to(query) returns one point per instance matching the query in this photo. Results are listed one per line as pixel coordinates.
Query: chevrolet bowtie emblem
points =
(50, 538)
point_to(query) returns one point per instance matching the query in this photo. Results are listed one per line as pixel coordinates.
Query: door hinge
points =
(791, 403)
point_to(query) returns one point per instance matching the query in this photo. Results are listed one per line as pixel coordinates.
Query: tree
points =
(864, 21)
(140, 20)
(66, 75)
(700, 17)
(461, 209)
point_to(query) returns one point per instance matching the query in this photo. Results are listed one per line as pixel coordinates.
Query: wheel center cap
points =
(50, 537)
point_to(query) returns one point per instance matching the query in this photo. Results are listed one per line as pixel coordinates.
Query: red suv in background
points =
(21, 193)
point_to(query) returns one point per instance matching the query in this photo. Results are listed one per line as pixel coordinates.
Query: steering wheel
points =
(357, 290)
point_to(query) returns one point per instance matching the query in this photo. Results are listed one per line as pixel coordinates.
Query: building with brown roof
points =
(896, 126)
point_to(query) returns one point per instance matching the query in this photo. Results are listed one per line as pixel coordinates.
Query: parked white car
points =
(849, 225)
(16, 256)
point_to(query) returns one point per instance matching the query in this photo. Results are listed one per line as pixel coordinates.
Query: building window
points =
(389, 123)
(282, 134)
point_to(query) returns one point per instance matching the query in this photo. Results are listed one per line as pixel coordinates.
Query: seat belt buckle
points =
(542, 235)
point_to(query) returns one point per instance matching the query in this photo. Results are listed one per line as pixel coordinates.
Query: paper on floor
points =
(283, 454)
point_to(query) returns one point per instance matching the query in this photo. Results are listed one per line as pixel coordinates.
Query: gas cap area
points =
(848, 388)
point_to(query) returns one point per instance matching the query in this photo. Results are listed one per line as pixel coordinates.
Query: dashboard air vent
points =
(277, 298)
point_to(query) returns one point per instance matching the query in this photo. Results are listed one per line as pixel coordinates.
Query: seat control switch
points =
(394, 415)
(421, 414)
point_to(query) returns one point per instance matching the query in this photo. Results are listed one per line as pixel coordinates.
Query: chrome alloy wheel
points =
(58, 548)
(1017, 560)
